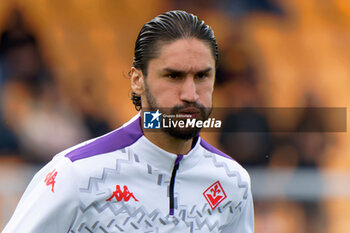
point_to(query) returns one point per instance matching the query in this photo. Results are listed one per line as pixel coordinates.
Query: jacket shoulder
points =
(220, 159)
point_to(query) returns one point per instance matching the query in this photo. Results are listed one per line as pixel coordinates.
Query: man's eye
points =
(173, 76)
(202, 75)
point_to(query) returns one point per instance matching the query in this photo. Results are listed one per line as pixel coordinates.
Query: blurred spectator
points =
(307, 142)
(245, 131)
(311, 146)
(304, 149)
(31, 107)
(246, 137)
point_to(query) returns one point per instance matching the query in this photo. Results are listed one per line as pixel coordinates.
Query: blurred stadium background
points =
(64, 78)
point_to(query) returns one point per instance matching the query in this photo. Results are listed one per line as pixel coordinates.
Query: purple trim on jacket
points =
(213, 149)
(116, 140)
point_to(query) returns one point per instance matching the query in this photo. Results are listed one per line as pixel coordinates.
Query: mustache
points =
(204, 111)
(178, 108)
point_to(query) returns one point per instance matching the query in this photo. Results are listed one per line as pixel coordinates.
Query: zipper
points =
(172, 184)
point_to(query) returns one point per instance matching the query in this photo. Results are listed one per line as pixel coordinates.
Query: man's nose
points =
(188, 92)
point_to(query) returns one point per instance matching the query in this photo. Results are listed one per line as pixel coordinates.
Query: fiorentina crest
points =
(215, 194)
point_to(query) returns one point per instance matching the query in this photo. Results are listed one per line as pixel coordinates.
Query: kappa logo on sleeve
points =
(122, 195)
(50, 179)
(214, 195)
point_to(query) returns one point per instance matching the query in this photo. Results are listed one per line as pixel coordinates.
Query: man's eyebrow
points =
(172, 70)
(207, 70)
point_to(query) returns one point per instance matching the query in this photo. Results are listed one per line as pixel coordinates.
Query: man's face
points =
(181, 81)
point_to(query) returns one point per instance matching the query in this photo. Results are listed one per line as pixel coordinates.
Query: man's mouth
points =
(189, 112)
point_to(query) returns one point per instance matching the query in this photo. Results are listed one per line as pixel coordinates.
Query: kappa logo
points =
(151, 120)
(50, 179)
(122, 195)
(214, 195)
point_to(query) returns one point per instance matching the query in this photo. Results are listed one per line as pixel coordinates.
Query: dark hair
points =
(167, 27)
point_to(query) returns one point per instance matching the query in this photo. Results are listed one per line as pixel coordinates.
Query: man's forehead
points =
(197, 44)
(189, 54)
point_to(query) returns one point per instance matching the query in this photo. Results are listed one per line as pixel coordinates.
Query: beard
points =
(177, 132)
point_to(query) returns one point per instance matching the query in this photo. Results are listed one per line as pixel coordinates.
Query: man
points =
(139, 180)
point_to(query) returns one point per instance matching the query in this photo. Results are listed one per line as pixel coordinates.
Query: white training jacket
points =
(122, 182)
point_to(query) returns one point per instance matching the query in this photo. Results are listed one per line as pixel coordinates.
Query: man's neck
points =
(169, 143)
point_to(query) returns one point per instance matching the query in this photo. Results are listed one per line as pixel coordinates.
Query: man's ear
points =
(137, 81)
